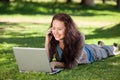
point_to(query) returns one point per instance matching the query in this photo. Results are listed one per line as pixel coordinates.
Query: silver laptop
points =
(33, 59)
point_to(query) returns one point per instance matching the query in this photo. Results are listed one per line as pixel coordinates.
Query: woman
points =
(66, 44)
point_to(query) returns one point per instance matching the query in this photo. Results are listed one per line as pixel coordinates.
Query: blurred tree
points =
(87, 2)
(4, 0)
(82, 2)
(68, 1)
(118, 3)
(103, 1)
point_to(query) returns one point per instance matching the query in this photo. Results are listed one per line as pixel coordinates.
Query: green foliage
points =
(49, 8)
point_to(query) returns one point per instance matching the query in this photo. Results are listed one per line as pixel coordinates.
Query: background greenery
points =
(25, 24)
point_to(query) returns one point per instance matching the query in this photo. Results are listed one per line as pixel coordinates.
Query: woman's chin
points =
(57, 39)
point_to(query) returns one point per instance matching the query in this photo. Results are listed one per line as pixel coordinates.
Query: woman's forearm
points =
(60, 64)
(47, 46)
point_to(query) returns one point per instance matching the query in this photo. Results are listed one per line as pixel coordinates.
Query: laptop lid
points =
(32, 59)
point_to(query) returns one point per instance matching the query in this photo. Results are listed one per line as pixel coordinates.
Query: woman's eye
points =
(53, 28)
(59, 29)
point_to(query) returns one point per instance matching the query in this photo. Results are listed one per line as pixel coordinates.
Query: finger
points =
(52, 65)
(49, 30)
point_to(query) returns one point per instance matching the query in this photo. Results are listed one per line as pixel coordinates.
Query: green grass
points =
(33, 35)
(91, 21)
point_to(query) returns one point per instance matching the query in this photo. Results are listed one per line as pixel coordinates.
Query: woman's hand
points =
(49, 35)
(47, 39)
(53, 64)
(56, 64)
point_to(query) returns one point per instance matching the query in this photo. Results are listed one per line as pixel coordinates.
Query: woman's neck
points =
(61, 44)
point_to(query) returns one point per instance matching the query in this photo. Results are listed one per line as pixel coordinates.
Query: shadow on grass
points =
(26, 39)
(22, 41)
(111, 32)
(49, 8)
(10, 36)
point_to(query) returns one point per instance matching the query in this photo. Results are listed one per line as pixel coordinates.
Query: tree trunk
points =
(103, 1)
(4, 0)
(87, 2)
(82, 2)
(68, 1)
(118, 3)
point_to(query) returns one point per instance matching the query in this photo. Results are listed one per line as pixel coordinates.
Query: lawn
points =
(25, 24)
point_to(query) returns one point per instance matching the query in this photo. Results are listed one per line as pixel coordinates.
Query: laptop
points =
(33, 60)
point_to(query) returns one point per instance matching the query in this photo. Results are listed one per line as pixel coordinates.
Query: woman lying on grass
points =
(67, 44)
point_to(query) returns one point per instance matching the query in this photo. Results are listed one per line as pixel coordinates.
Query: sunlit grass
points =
(34, 37)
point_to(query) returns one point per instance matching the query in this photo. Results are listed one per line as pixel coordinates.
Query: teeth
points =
(56, 36)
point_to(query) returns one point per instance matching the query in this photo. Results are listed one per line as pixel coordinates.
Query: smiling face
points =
(58, 30)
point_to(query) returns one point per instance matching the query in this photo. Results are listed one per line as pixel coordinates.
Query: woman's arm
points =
(47, 41)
